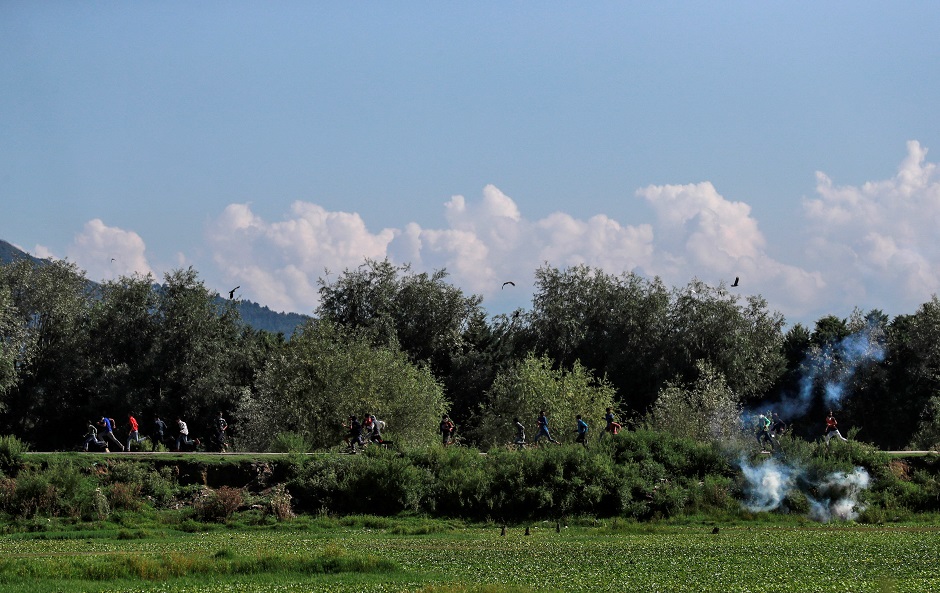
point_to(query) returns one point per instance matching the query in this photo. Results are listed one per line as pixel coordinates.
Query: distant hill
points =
(9, 253)
(254, 315)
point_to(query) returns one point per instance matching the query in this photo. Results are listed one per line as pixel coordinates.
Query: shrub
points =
(124, 496)
(290, 442)
(11, 454)
(279, 503)
(219, 505)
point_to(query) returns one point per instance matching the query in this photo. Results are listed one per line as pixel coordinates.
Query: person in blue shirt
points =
(582, 431)
(543, 429)
(108, 428)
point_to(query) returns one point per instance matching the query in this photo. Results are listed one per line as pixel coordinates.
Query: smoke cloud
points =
(832, 369)
(839, 494)
(834, 497)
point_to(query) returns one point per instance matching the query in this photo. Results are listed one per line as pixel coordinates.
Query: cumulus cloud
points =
(106, 252)
(701, 233)
(863, 244)
(278, 263)
(878, 239)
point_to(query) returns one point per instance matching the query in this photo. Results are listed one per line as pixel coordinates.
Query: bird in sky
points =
(508, 282)
(231, 293)
(735, 282)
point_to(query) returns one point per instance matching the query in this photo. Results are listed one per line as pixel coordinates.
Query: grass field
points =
(376, 554)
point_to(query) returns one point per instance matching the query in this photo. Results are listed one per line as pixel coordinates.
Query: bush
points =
(279, 503)
(11, 454)
(219, 505)
(290, 442)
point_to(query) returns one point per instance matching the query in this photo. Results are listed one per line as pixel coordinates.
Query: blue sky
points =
(792, 144)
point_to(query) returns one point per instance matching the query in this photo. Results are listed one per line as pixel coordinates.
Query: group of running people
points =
(357, 431)
(770, 427)
(105, 427)
(447, 429)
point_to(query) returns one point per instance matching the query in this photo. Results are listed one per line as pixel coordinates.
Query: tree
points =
(124, 347)
(639, 336)
(327, 373)
(913, 365)
(616, 326)
(741, 341)
(13, 346)
(432, 321)
(200, 345)
(49, 332)
(533, 385)
(706, 410)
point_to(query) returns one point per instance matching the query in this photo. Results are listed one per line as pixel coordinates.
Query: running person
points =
(763, 432)
(183, 438)
(832, 429)
(520, 434)
(220, 426)
(354, 438)
(91, 437)
(159, 429)
(133, 435)
(613, 426)
(376, 435)
(543, 429)
(582, 431)
(107, 425)
(447, 430)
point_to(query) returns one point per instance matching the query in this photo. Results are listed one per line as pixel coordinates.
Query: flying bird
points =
(735, 282)
(508, 282)
(231, 293)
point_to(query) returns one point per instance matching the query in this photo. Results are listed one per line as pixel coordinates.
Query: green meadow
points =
(364, 554)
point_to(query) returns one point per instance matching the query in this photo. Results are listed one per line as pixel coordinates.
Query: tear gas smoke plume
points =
(833, 367)
(836, 495)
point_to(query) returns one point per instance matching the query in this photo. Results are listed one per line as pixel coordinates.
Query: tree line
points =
(408, 347)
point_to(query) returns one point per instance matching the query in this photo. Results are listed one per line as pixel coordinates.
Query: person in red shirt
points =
(832, 429)
(133, 435)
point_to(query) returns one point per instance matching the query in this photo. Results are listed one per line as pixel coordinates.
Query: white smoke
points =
(833, 367)
(839, 494)
(767, 485)
(835, 497)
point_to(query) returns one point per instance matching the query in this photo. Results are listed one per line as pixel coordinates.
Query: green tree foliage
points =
(50, 334)
(639, 335)
(327, 373)
(432, 321)
(914, 376)
(707, 410)
(533, 385)
(13, 346)
(124, 347)
(199, 346)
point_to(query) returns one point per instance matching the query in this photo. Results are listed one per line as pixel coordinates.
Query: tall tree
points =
(326, 373)
(531, 385)
(199, 345)
(640, 336)
(432, 321)
(50, 301)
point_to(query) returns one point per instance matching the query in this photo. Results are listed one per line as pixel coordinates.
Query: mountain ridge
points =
(255, 315)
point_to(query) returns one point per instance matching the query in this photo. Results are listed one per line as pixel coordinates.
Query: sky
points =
(272, 145)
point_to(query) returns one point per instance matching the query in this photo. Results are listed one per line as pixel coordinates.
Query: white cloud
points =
(106, 252)
(878, 239)
(278, 263)
(861, 243)
(702, 234)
